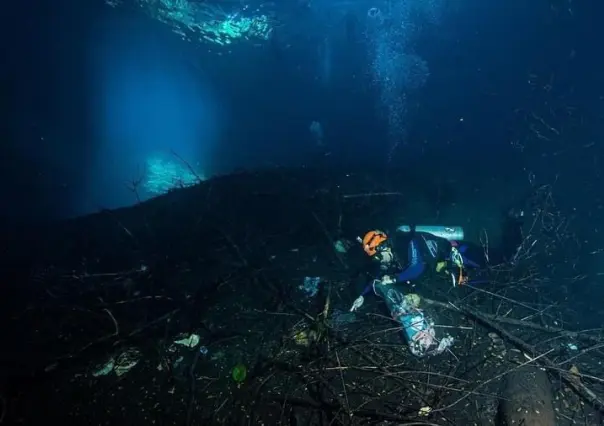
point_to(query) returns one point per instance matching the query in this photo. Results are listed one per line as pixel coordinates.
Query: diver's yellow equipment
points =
(413, 299)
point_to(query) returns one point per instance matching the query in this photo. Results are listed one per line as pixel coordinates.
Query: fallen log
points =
(526, 398)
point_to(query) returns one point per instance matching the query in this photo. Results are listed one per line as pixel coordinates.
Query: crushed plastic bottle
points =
(310, 286)
(189, 341)
(119, 364)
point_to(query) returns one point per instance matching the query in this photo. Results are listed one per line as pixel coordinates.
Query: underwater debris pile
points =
(191, 309)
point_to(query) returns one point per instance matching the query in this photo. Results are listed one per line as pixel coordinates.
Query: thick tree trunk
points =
(526, 398)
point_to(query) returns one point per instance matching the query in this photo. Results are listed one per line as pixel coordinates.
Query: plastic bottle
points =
(451, 233)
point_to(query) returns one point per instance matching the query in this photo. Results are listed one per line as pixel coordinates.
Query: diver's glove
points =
(387, 280)
(357, 303)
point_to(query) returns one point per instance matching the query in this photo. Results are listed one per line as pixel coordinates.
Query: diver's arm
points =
(370, 288)
(416, 263)
(411, 273)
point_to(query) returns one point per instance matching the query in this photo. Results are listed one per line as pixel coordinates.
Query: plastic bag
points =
(417, 326)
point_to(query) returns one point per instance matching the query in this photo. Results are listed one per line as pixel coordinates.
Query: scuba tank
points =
(451, 233)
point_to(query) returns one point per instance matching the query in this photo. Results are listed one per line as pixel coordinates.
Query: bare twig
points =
(521, 323)
(370, 194)
(117, 328)
(581, 352)
(186, 163)
(344, 387)
(331, 241)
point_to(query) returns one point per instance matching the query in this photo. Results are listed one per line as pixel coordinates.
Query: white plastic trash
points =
(119, 364)
(310, 286)
(189, 341)
(416, 325)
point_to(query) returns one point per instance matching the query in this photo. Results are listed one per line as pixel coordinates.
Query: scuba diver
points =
(408, 255)
(424, 250)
